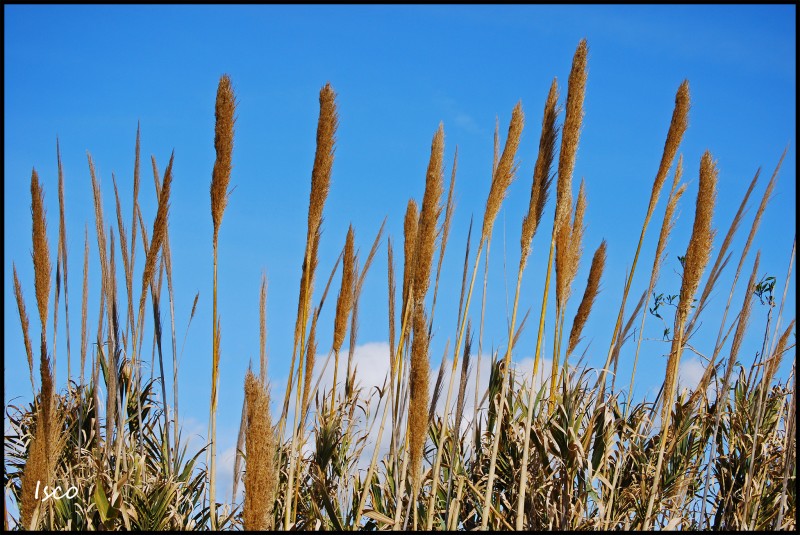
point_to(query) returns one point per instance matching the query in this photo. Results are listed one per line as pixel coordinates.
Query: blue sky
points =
(86, 75)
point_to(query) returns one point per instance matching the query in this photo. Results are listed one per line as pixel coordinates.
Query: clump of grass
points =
(540, 452)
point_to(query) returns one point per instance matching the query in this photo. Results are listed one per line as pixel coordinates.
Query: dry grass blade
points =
(128, 267)
(62, 227)
(62, 251)
(391, 286)
(136, 180)
(464, 275)
(774, 361)
(85, 300)
(445, 233)
(262, 328)
(370, 257)
(101, 232)
(465, 366)
(158, 235)
(437, 386)
(667, 225)
(311, 354)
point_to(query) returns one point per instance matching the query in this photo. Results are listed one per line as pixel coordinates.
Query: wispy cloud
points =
(461, 118)
(690, 371)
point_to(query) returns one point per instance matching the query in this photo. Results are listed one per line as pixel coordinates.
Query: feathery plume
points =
(677, 127)
(576, 238)
(40, 254)
(323, 158)
(570, 133)
(410, 237)
(696, 259)
(428, 217)
(23, 318)
(542, 178)
(418, 396)
(261, 476)
(568, 249)
(504, 172)
(589, 295)
(224, 111)
(699, 250)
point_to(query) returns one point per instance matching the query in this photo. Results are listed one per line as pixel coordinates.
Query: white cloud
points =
(467, 122)
(690, 371)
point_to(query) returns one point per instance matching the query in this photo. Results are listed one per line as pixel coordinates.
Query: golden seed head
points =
(505, 171)
(570, 133)
(224, 111)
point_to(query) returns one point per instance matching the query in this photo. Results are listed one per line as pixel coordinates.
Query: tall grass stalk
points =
(320, 184)
(677, 128)
(696, 259)
(570, 135)
(221, 176)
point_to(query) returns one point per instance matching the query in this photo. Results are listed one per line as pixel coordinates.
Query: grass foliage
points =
(566, 450)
